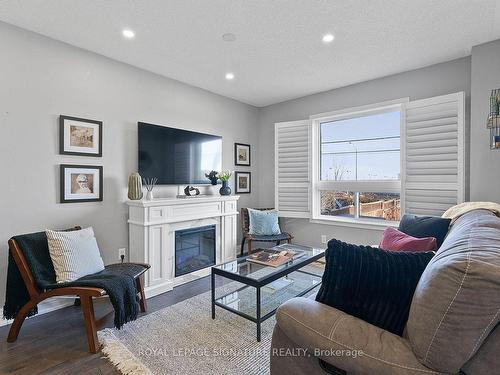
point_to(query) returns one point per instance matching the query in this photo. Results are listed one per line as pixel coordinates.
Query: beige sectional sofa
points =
(453, 326)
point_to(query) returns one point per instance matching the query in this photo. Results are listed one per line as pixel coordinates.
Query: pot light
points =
(127, 33)
(328, 38)
(229, 76)
(229, 37)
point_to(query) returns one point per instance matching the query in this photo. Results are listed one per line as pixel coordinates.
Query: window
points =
(358, 166)
(364, 166)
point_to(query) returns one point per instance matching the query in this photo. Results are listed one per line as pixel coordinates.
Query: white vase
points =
(149, 195)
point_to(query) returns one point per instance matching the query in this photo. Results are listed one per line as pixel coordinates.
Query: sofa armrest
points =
(346, 342)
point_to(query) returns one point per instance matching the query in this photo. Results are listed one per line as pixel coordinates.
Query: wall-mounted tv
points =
(176, 156)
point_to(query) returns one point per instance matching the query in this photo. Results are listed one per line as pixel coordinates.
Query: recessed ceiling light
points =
(328, 38)
(127, 33)
(229, 37)
(229, 76)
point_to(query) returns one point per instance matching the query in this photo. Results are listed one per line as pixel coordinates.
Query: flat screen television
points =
(176, 156)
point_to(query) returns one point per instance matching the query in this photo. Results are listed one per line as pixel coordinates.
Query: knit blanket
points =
(455, 212)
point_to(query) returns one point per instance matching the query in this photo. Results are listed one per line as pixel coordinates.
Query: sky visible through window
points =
(362, 148)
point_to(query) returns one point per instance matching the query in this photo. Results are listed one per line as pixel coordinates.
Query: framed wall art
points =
(79, 136)
(81, 183)
(242, 154)
(243, 182)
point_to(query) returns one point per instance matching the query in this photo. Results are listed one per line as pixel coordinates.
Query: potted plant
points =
(224, 176)
(212, 176)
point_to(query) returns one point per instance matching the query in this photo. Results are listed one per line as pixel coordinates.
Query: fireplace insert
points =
(194, 249)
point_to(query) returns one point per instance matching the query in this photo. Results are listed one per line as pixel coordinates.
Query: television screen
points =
(177, 157)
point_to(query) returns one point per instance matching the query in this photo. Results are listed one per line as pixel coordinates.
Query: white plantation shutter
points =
(433, 158)
(292, 168)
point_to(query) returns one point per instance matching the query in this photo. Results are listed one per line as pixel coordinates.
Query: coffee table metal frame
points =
(258, 284)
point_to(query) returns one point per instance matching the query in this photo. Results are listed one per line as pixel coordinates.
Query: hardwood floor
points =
(55, 343)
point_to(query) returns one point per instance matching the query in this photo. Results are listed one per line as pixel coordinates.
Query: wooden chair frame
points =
(248, 237)
(85, 295)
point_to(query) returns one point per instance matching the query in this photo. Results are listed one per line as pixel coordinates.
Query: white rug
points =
(184, 339)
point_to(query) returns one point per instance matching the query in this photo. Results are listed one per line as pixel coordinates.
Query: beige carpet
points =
(184, 339)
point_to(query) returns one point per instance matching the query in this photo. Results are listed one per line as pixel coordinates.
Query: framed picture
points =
(241, 154)
(79, 136)
(81, 183)
(243, 182)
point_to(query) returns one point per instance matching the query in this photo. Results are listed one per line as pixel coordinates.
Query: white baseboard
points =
(46, 306)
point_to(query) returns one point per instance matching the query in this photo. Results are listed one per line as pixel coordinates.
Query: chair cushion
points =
(457, 301)
(371, 284)
(74, 254)
(277, 237)
(264, 223)
(425, 226)
(395, 240)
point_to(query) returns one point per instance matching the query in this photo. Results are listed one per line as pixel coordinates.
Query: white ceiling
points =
(278, 54)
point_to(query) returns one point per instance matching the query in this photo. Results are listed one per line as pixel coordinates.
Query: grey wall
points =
(41, 79)
(485, 163)
(434, 80)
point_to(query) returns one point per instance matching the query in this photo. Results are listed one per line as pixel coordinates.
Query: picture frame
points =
(80, 136)
(81, 183)
(242, 154)
(243, 182)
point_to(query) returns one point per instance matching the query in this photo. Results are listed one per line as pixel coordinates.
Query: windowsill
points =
(356, 223)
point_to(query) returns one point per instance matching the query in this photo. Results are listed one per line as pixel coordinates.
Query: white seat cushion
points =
(74, 254)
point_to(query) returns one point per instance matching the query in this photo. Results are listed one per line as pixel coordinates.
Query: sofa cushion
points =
(457, 300)
(395, 240)
(425, 226)
(340, 339)
(372, 284)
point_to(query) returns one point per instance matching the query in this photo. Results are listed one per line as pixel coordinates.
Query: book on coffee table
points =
(272, 258)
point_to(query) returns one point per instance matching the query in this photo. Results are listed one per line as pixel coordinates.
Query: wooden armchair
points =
(38, 293)
(245, 225)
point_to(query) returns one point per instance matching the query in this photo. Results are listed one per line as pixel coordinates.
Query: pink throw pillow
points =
(395, 240)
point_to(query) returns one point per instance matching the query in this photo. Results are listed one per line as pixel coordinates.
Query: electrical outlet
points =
(121, 252)
(323, 238)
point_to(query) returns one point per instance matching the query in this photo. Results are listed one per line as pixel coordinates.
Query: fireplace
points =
(194, 249)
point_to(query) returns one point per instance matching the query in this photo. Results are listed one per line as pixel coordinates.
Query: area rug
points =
(184, 339)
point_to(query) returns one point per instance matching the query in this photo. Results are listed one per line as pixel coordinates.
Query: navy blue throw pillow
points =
(374, 285)
(425, 226)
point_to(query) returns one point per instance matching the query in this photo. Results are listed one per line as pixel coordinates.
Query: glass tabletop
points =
(258, 272)
(244, 299)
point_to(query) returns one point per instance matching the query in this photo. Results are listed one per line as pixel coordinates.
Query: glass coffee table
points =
(265, 288)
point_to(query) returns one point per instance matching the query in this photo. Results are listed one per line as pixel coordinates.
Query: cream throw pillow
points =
(74, 254)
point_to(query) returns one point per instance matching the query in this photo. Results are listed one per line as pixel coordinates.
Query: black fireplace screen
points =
(194, 249)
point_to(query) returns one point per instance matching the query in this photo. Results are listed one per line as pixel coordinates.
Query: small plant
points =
(212, 176)
(225, 175)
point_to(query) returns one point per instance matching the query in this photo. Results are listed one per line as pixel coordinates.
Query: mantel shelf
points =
(176, 201)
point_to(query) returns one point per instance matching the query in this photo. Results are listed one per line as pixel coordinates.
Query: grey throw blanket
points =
(118, 280)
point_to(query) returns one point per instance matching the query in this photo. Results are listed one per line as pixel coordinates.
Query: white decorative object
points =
(74, 254)
(152, 227)
(150, 183)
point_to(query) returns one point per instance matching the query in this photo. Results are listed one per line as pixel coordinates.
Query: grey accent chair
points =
(453, 325)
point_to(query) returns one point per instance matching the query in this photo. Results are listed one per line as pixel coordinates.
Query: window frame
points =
(389, 186)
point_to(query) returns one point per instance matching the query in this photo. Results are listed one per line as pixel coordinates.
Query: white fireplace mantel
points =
(152, 226)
